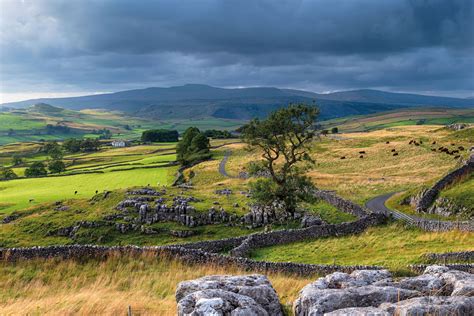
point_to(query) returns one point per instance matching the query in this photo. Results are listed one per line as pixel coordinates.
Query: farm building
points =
(120, 143)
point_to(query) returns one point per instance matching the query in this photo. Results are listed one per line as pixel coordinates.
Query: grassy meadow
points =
(90, 287)
(393, 246)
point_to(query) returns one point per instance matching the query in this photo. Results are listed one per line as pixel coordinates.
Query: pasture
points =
(393, 246)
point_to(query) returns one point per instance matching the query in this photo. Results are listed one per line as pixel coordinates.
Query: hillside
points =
(198, 101)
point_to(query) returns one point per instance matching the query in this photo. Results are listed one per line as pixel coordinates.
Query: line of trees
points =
(160, 135)
(217, 134)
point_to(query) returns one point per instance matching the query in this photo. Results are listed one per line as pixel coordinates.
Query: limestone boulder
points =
(431, 305)
(359, 311)
(315, 302)
(256, 286)
(218, 302)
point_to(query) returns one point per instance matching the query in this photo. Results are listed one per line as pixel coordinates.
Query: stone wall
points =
(442, 226)
(430, 195)
(341, 203)
(191, 256)
(280, 237)
(467, 267)
(450, 256)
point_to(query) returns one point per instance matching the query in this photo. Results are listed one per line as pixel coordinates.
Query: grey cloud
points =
(109, 45)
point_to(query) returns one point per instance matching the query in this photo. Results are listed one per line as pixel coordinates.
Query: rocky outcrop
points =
(226, 295)
(438, 291)
(432, 305)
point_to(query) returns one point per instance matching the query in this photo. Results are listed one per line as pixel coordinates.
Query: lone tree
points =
(284, 138)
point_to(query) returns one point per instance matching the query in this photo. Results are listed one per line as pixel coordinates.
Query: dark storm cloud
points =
(319, 45)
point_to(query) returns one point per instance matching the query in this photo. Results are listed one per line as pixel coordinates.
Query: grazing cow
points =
(31, 200)
(362, 152)
(75, 192)
(417, 144)
(96, 191)
(343, 157)
(432, 149)
(453, 144)
(411, 142)
(433, 143)
(455, 151)
(461, 148)
(393, 150)
(440, 148)
(361, 156)
(387, 142)
(456, 157)
(395, 154)
(421, 142)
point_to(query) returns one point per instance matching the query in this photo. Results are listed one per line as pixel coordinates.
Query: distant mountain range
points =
(199, 101)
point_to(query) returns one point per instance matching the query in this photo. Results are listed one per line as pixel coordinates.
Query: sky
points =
(53, 48)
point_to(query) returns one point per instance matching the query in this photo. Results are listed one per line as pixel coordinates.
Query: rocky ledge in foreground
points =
(438, 291)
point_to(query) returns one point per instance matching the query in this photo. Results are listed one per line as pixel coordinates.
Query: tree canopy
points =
(284, 139)
(194, 146)
(160, 135)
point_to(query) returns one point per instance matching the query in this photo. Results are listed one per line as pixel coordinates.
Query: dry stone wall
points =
(450, 256)
(280, 237)
(192, 256)
(429, 196)
(341, 203)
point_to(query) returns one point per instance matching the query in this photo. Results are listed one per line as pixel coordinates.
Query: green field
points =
(393, 246)
(30, 124)
(402, 117)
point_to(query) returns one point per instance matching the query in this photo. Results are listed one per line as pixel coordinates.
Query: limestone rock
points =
(317, 302)
(432, 305)
(426, 283)
(359, 311)
(257, 287)
(218, 302)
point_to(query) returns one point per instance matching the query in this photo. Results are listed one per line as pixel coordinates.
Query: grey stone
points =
(219, 302)
(431, 305)
(255, 286)
(359, 311)
(315, 302)
(426, 283)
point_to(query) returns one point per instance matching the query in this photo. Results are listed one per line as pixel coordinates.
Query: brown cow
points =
(393, 150)
(387, 142)
(461, 148)
(433, 143)
(361, 156)
(456, 157)
(362, 152)
(343, 157)
(395, 154)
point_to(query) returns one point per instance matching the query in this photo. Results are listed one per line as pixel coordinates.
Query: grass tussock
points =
(108, 287)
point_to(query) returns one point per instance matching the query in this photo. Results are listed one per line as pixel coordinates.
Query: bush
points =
(7, 174)
(334, 130)
(56, 166)
(160, 135)
(37, 169)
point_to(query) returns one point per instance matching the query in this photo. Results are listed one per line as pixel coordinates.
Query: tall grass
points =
(108, 287)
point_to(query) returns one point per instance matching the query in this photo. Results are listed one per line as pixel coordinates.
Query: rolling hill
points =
(199, 101)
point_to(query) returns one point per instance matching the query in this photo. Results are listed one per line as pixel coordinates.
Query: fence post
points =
(129, 312)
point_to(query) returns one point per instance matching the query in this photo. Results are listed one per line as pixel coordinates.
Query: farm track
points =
(223, 162)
